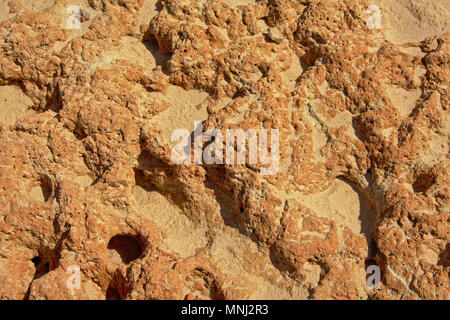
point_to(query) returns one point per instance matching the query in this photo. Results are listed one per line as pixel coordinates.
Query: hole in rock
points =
(123, 249)
(42, 266)
(45, 261)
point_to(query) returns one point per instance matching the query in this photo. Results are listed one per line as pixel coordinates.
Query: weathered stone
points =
(87, 181)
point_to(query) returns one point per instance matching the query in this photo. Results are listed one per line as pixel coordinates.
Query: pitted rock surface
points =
(87, 178)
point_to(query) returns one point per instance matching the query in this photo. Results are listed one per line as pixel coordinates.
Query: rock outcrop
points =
(87, 178)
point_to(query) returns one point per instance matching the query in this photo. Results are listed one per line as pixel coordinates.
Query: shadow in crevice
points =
(117, 288)
(147, 162)
(47, 187)
(444, 257)
(54, 102)
(423, 182)
(280, 262)
(367, 217)
(151, 44)
(230, 213)
(356, 121)
(153, 174)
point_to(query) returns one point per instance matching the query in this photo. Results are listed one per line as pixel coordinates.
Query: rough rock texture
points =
(87, 179)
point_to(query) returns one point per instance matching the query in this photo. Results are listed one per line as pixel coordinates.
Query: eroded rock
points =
(87, 178)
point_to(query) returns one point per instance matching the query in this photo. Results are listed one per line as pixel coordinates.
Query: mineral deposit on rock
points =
(93, 206)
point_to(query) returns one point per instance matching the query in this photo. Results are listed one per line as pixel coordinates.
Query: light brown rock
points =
(87, 179)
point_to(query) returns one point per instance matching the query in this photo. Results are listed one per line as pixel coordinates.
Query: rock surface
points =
(87, 178)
